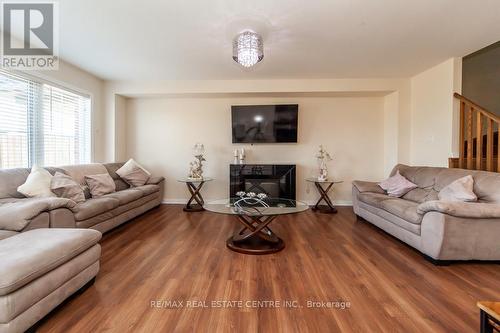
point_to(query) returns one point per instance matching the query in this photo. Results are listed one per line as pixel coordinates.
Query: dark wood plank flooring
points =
(168, 255)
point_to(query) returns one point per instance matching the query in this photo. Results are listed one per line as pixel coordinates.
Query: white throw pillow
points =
(397, 185)
(133, 173)
(37, 184)
(459, 190)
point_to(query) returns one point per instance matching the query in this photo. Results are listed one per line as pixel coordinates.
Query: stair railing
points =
(474, 116)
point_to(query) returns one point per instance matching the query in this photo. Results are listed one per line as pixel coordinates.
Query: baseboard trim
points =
(310, 203)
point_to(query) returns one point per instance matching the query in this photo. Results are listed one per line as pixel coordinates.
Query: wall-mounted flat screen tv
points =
(264, 123)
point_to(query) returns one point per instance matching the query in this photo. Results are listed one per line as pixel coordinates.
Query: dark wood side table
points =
(323, 192)
(489, 316)
(194, 186)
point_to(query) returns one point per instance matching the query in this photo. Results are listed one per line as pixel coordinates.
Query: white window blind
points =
(42, 124)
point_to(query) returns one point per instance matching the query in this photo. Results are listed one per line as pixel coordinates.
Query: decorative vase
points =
(323, 171)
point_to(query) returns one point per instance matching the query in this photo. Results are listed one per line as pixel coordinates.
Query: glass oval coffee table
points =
(256, 237)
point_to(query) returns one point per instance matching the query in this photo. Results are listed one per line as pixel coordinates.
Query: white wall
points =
(391, 131)
(162, 131)
(433, 114)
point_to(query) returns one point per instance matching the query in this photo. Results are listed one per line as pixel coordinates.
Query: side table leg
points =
(323, 192)
(195, 196)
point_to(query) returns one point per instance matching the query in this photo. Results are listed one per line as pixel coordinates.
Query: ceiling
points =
(179, 39)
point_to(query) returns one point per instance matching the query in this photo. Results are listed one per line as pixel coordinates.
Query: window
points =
(42, 124)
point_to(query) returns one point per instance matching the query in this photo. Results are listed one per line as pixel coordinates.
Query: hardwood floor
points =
(168, 255)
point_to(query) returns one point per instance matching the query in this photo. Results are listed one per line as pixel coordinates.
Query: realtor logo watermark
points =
(30, 35)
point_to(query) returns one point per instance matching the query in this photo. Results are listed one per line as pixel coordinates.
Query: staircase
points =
(479, 148)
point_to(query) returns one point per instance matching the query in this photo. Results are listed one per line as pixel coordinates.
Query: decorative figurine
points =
(323, 156)
(242, 156)
(235, 155)
(196, 167)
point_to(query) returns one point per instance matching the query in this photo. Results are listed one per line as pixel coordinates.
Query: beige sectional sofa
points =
(18, 213)
(47, 252)
(443, 231)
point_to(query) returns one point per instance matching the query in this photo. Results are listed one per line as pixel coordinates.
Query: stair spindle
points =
(479, 141)
(469, 138)
(489, 146)
(461, 161)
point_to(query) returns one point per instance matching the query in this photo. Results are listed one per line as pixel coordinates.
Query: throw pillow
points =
(133, 173)
(397, 185)
(459, 190)
(65, 187)
(37, 184)
(100, 185)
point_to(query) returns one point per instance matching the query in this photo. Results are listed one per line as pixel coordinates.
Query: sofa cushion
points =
(374, 199)
(136, 203)
(148, 189)
(79, 171)
(6, 234)
(88, 223)
(125, 196)
(93, 207)
(404, 209)
(29, 255)
(389, 217)
(11, 179)
(421, 195)
(155, 180)
(10, 200)
(363, 186)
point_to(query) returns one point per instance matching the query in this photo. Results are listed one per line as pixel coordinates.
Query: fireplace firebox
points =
(275, 180)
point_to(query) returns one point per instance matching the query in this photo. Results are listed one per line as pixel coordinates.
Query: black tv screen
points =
(264, 123)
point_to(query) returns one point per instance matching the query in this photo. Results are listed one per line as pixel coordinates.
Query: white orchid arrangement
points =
(323, 154)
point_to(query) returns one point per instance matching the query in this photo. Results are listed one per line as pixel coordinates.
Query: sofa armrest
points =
(461, 209)
(17, 215)
(155, 180)
(363, 186)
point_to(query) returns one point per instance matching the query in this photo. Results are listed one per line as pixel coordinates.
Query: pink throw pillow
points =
(397, 185)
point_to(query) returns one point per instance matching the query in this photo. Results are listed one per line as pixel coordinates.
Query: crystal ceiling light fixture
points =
(248, 48)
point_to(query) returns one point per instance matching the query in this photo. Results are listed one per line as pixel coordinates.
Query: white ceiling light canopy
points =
(248, 48)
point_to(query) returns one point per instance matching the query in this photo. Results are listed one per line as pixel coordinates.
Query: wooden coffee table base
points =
(255, 237)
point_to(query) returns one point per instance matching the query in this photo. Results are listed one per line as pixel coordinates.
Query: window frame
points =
(45, 79)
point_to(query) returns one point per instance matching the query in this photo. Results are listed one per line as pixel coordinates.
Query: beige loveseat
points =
(19, 214)
(441, 230)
